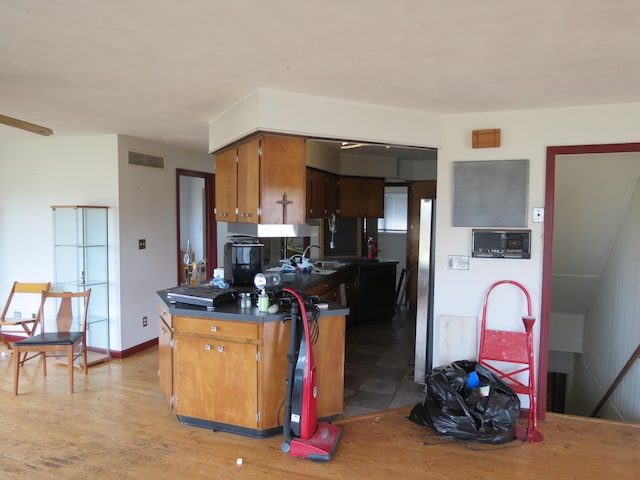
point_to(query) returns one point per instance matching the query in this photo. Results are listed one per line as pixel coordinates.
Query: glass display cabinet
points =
(80, 262)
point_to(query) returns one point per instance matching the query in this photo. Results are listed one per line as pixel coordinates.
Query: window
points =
(395, 210)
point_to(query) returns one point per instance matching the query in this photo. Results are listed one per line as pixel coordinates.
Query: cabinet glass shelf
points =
(80, 251)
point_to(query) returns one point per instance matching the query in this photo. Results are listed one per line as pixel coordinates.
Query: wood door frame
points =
(545, 307)
(210, 226)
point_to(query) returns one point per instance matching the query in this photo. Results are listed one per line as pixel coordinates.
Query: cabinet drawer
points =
(215, 327)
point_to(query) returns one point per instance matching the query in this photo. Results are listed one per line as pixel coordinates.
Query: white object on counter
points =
(274, 308)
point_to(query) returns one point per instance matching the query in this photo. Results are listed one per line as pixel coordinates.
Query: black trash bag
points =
(453, 407)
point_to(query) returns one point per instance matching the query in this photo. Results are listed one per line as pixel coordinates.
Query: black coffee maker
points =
(242, 260)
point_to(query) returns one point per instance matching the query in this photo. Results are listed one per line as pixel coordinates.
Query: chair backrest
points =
(65, 316)
(18, 298)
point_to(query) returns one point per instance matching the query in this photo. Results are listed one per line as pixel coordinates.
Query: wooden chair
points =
(69, 337)
(26, 299)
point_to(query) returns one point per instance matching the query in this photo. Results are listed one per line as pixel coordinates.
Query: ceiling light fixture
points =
(350, 145)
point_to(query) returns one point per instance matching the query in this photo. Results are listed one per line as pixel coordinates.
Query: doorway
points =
(196, 226)
(550, 278)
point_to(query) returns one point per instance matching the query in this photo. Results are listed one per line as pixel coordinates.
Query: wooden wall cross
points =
(284, 202)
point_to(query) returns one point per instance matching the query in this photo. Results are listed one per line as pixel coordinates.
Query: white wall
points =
(612, 328)
(565, 332)
(147, 200)
(284, 112)
(525, 134)
(35, 174)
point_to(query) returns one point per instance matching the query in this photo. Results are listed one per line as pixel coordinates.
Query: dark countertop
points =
(300, 282)
(233, 311)
(362, 261)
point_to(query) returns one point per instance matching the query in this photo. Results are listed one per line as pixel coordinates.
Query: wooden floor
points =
(117, 425)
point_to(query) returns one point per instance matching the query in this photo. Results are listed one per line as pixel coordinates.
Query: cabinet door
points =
(376, 292)
(226, 191)
(316, 193)
(351, 292)
(249, 181)
(309, 193)
(361, 197)
(216, 380)
(165, 357)
(329, 356)
(331, 194)
(282, 180)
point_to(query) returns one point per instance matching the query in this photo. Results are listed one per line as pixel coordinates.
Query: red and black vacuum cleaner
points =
(305, 437)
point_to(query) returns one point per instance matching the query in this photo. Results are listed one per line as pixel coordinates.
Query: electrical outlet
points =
(538, 215)
(144, 321)
(142, 244)
(17, 314)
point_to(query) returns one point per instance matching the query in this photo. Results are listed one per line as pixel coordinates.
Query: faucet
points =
(304, 261)
(304, 254)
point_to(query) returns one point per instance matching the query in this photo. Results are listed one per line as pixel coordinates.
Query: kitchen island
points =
(226, 369)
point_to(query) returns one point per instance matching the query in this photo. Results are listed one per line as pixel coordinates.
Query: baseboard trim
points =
(113, 353)
(135, 349)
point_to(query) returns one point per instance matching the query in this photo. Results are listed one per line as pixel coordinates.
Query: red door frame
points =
(545, 308)
(210, 226)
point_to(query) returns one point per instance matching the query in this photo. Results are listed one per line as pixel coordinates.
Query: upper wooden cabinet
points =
(226, 185)
(282, 179)
(360, 197)
(262, 180)
(248, 182)
(322, 193)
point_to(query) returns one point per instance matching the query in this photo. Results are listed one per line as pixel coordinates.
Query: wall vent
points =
(145, 160)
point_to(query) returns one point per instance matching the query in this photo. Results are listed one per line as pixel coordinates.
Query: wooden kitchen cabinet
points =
(216, 370)
(216, 380)
(231, 375)
(331, 194)
(238, 183)
(322, 193)
(361, 197)
(227, 185)
(340, 288)
(282, 179)
(267, 183)
(248, 182)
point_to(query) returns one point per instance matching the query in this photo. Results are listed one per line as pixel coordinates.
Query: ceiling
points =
(161, 70)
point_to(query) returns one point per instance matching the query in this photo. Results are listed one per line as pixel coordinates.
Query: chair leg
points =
(44, 362)
(70, 363)
(84, 358)
(16, 371)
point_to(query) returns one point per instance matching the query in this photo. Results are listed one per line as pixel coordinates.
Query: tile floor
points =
(379, 366)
